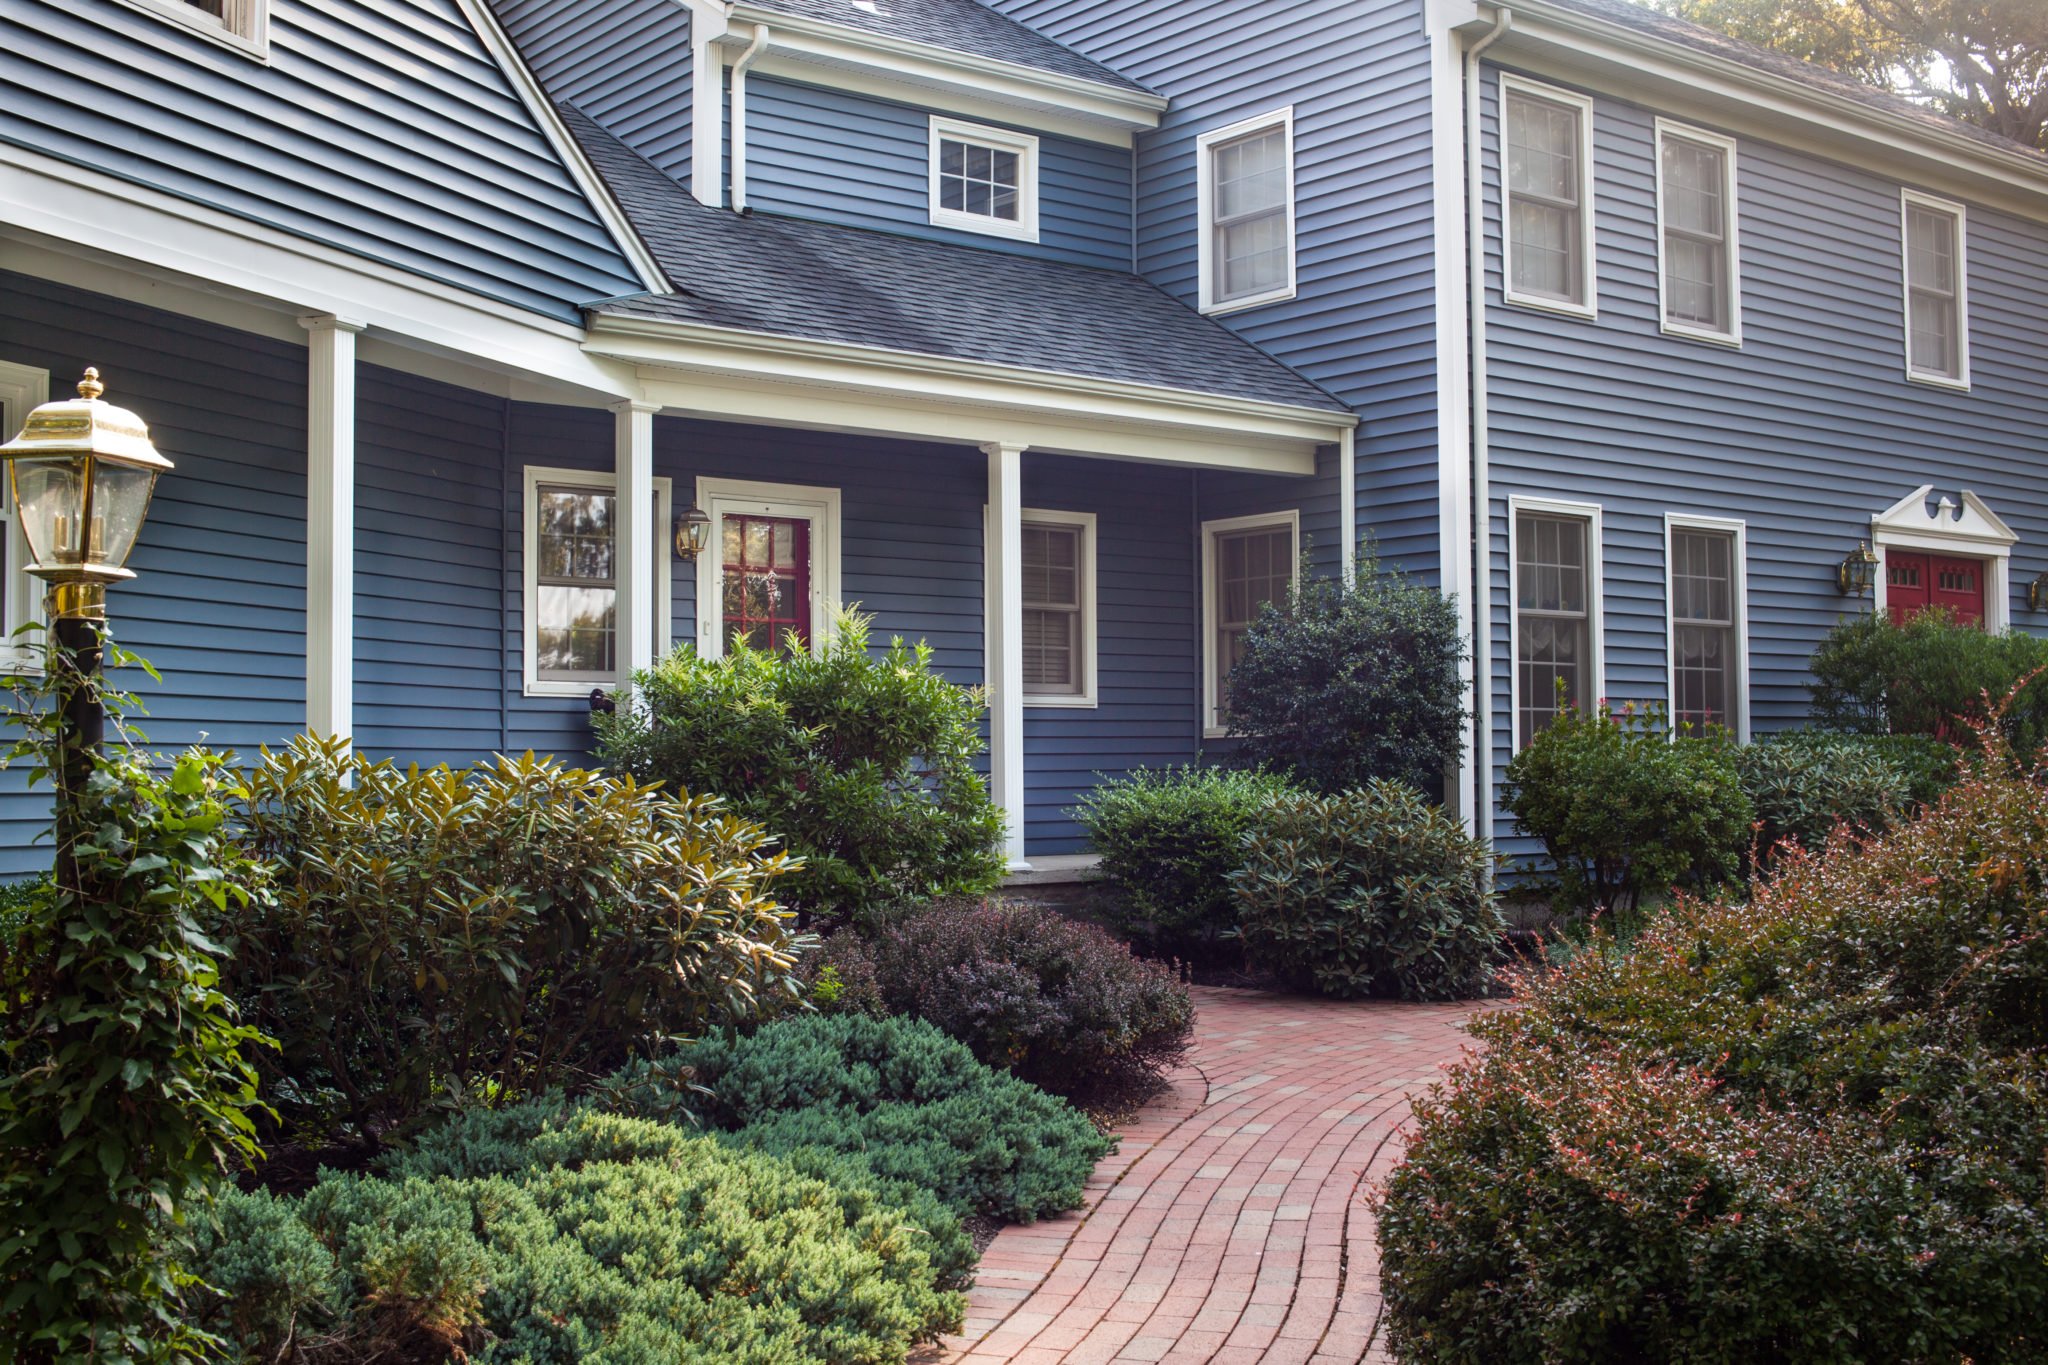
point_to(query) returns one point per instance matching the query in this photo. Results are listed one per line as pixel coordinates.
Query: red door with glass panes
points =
(767, 599)
(1915, 582)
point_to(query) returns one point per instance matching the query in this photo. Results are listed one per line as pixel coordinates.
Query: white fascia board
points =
(937, 77)
(117, 231)
(1076, 412)
(1620, 60)
(543, 112)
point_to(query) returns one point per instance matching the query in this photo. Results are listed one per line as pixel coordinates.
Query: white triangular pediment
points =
(1910, 521)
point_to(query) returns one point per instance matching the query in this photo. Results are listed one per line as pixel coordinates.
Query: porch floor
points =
(1228, 1226)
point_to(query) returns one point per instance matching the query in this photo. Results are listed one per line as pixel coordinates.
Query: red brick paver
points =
(1228, 1226)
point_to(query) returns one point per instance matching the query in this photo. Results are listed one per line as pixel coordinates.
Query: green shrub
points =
(1347, 683)
(1929, 676)
(861, 764)
(1371, 892)
(439, 937)
(1625, 809)
(1805, 1125)
(1169, 839)
(642, 1246)
(1802, 785)
(1065, 1006)
(126, 1080)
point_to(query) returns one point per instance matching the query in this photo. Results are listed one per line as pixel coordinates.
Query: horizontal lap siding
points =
(1803, 433)
(846, 158)
(627, 64)
(381, 127)
(1357, 77)
(218, 604)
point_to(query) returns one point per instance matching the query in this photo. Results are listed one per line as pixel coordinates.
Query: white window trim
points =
(1596, 600)
(1212, 726)
(1205, 195)
(1739, 596)
(529, 590)
(746, 497)
(1969, 531)
(1588, 185)
(1089, 697)
(1732, 236)
(23, 389)
(1960, 380)
(1025, 229)
(246, 29)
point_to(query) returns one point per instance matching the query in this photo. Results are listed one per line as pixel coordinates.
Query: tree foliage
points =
(1982, 61)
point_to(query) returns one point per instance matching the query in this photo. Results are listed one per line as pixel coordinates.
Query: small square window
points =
(241, 24)
(984, 180)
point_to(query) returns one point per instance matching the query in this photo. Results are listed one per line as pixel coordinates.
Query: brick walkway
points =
(1227, 1227)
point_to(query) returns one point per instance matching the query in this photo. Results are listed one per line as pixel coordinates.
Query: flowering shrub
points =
(1624, 809)
(1374, 892)
(1803, 1126)
(1063, 1005)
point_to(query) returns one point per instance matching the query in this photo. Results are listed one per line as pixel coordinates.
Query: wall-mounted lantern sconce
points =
(2037, 593)
(693, 531)
(1856, 575)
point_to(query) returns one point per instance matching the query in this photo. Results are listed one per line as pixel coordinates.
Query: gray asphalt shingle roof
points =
(959, 25)
(1687, 34)
(795, 278)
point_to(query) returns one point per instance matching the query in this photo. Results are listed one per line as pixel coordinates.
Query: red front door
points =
(767, 598)
(1914, 582)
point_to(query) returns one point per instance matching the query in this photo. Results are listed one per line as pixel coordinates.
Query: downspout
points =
(1482, 501)
(1347, 506)
(739, 116)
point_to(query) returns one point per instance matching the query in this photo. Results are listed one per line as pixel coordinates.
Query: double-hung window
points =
(571, 589)
(1936, 234)
(1557, 611)
(1246, 194)
(240, 24)
(1057, 553)
(1547, 155)
(984, 179)
(1247, 562)
(1704, 561)
(1701, 284)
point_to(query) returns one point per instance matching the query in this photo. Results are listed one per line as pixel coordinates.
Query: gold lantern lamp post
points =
(82, 472)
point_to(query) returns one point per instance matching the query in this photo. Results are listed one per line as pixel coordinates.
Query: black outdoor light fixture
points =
(1856, 575)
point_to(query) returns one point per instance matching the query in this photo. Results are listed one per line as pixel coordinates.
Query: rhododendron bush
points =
(1806, 1124)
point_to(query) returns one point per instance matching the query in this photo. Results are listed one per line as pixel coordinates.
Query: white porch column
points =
(1005, 629)
(330, 523)
(633, 458)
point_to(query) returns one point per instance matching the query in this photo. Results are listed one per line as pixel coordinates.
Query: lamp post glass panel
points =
(82, 471)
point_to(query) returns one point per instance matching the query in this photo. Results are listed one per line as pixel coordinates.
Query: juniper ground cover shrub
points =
(437, 937)
(1065, 1006)
(1625, 810)
(1169, 839)
(1369, 892)
(1804, 1125)
(862, 764)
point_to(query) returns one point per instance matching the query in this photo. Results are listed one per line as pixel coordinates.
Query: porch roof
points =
(787, 277)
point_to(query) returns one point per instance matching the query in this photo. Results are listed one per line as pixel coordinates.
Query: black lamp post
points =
(82, 472)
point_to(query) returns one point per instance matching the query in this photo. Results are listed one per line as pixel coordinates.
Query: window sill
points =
(202, 25)
(1939, 381)
(1731, 340)
(1538, 303)
(1025, 231)
(561, 689)
(1251, 301)
(1059, 703)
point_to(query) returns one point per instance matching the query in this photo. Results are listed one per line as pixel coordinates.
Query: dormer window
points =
(240, 24)
(984, 180)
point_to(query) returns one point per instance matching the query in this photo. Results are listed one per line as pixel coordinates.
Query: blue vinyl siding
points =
(1362, 325)
(382, 127)
(846, 158)
(626, 64)
(1804, 433)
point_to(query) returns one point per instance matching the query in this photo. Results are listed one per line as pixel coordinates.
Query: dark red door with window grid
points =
(1915, 582)
(767, 580)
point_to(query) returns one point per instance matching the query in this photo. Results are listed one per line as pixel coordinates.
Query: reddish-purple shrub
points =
(1808, 1125)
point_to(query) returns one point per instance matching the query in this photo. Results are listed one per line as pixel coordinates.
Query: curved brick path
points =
(1227, 1227)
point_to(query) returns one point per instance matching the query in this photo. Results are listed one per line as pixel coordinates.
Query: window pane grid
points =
(1703, 623)
(1546, 199)
(576, 599)
(1053, 645)
(1933, 315)
(1553, 618)
(1253, 567)
(979, 180)
(1696, 265)
(1249, 214)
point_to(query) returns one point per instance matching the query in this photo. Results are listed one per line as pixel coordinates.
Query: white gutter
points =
(739, 116)
(1481, 548)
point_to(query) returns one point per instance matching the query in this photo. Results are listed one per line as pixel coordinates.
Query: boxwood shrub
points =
(1371, 892)
(1169, 838)
(1805, 1125)
(1932, 676)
